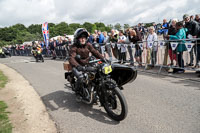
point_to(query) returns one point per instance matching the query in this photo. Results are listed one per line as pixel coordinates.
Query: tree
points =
(126, 26)
(109, 27)
(75, 26)
(35, 29)
(61, 29)
(90, 27)
(100, 26)
(117, 26)
(19, 27)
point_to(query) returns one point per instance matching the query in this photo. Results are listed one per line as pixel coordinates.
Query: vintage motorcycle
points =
(37, 53)
(103, 82)
(4, 52)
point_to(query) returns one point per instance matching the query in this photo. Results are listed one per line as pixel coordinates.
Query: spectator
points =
(101, 38)
(134, 37)
(122, 52)
(141, 30)
(191, 17)
(114, 39)
(193, 31)
(155, 27)
(181, 34)
(172, 31)
(197, 18)
(96, 36)
(91, 39)
(152, 52)
(164, 28)
(107, 45)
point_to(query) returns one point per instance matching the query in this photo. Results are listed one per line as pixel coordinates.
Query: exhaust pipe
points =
(91, 97)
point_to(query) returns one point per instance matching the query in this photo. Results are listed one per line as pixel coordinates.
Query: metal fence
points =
(161, 53)
(181, 54)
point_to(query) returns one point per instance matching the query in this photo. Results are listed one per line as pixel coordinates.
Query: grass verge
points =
(5, 125)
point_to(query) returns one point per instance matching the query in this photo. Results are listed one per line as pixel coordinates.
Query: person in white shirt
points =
(122, 47)
(152, 46)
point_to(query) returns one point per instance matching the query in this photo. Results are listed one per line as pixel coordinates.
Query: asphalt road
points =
(156, 104)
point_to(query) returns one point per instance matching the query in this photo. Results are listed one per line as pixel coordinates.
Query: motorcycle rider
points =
(81, 50)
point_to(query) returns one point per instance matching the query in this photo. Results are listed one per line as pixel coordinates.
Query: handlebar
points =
(95, 61)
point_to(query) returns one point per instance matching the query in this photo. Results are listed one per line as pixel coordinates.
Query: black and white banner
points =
(174, 45)
(189, 46)
(150, 44)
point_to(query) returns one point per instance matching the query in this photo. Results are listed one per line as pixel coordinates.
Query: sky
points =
(130, 12)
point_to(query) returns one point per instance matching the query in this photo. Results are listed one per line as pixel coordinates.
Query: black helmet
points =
(80, 32)
(96, 46)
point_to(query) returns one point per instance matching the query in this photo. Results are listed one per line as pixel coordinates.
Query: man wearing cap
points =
(193, 32)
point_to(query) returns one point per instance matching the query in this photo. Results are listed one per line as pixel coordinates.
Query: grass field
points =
(5, 125)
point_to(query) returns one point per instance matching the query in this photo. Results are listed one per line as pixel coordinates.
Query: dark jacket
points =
(193, 28)
(172, 31)
(181, 34)
(135, 39)
(113, 39)
(83, 51)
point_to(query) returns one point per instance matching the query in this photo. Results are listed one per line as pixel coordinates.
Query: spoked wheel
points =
(115, 104)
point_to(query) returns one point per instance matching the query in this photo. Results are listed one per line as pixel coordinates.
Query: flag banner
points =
(141, 46)
(132, 45)
(123, 48)
(161, 44)
(45, 32)
(189, 46)
(118, 46)
(113, 45)
(174, 45)
(150, 44)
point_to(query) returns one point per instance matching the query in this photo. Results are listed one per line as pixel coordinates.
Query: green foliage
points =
(5, 125)
(126, 26)
(117, 26)
(3, 80)
(18, 33)
(90, 27)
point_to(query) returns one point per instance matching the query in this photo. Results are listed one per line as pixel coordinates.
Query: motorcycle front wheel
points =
(115, 104)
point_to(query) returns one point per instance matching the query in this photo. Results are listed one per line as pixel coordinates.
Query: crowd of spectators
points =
(118, 43)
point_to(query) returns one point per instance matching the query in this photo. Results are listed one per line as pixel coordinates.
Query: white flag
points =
(174, 45)
(113, 45)
(123, 48)
(118, 46)
(162, 44)
(132, 45)
(150, 44)
(141, 45)
(189, 46)
(102, 49)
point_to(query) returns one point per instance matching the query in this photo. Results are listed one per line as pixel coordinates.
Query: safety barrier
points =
(163, 53)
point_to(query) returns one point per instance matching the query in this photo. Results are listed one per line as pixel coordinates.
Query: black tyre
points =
(114, 99)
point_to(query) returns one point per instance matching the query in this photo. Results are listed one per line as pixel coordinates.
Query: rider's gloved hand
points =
(104, 60)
